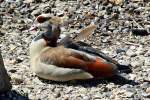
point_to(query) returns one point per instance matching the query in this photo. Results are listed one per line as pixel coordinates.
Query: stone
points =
(133, 47)
(110, 86)
(117, 2)
(123, 62)
(10, 1)
(28, 1)
(85, 3)
(36, 12)
(148, 90)
(130, 53)
(147, 61)
(12, 47)
(120, 50)
(128, 94)
(83, 90)
(4, 78)
(86, 98)
(144, 94)
(17, 79)
(136, 63)
(132, 76)
(147, 54)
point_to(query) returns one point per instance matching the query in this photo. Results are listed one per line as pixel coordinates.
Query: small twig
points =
(129, 43)
(138, 25)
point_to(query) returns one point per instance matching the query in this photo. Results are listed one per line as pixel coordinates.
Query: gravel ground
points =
(113, 36)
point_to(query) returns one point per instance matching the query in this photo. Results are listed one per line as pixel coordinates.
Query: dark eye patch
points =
(41, 19)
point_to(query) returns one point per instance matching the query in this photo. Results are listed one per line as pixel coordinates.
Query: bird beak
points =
(33, 28)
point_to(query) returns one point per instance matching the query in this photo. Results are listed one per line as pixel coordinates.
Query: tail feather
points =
(124, 68)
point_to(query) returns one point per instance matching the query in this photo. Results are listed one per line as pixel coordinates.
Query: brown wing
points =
(62, 57)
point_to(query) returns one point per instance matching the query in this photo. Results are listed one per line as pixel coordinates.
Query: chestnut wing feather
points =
(63, 57)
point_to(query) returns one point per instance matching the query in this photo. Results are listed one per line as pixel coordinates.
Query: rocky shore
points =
(114, 36)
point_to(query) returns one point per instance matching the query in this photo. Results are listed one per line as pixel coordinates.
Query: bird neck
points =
(51, 35)
(50, 41)
(36, 47)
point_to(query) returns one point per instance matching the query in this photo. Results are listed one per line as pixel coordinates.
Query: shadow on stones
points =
(118, 80)
(13, 95)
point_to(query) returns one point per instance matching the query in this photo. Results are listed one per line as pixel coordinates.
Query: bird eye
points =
(41, 19)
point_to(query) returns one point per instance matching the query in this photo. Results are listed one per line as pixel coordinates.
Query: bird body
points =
(64, 62)
(45, 67)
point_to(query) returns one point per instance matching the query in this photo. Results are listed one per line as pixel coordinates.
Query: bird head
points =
(51, 26)
(44, 20)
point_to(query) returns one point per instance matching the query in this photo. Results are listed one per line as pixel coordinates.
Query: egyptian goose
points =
(69, 61)
(59, 63)
(43, 20)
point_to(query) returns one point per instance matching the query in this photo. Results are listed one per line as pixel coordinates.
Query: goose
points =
(60, 63)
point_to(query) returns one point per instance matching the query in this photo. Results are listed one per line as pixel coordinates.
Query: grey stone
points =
(120, 50)
(36, 12)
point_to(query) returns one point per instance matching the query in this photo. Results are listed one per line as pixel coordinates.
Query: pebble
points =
(28, 1)
(83, 90)
(128, 94)
(36, 12)
(130, 53)
(147, 61)
(145, 94)
(123, 62)
(86, 98)
(12, 47)
(147, 54)
(97, 96)
(120, 50)
(133, 47)
(132, 76)
(16, 79)
(137, 63)
(86, 2)
(148, 90)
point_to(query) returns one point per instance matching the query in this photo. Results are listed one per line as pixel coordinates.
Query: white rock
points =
(130, 53)
(133, 47)
(136, 63)
(123, 62)
(147, 61)
(12, 47)
(10, 1)
(110, 86)
(132, 76)
(82, 90)
(148, 90)
(129, 94)
(28, 1)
